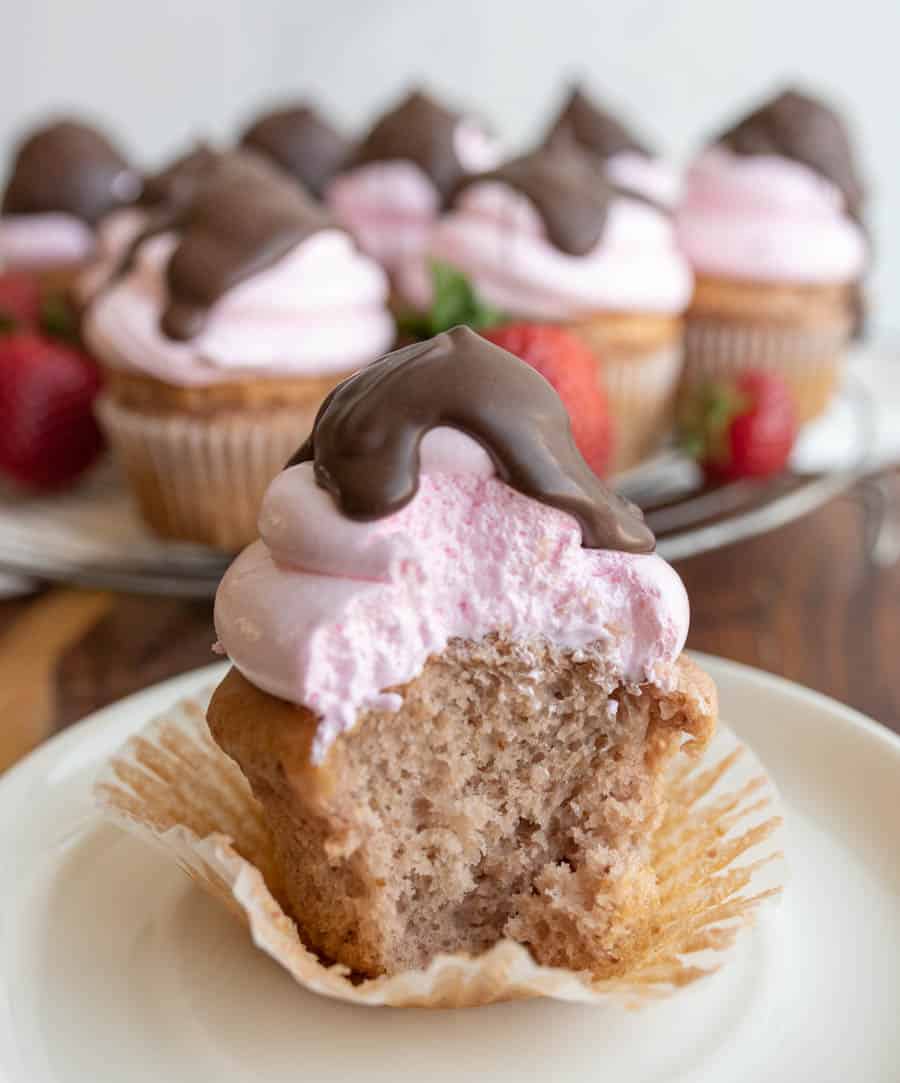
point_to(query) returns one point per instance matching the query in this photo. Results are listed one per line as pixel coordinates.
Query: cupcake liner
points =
(202, 479)
(810, 358)
(717, 857)
(641, 391)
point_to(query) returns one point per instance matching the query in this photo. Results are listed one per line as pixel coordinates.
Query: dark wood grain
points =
(808, 602)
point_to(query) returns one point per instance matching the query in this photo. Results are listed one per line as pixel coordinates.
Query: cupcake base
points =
(199, 460)
(716, 854)
(800, 332)
(639, 360)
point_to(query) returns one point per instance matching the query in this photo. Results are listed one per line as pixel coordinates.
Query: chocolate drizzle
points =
(244, 218)
(796, 126)
(365, 442)
(301, 143)
(569, 192)
(69, 168)
(173, 187)
(593, 129)
(419, 130)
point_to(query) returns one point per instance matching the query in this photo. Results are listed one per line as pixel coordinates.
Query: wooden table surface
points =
(817, 601)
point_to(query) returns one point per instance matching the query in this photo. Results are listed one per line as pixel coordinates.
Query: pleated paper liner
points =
(809, 359)
(717, 855)
(202, 479)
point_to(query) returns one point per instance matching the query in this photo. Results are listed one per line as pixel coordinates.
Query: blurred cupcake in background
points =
(396, 180)
(624, 158)
(163, 196)
(64, 179)
(547, 238)
(299, 140)
(220, 341)
(771, 222)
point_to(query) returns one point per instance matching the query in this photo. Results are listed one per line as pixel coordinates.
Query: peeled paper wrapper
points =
(717, 856)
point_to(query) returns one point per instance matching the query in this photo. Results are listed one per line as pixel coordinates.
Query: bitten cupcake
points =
(65, 178)
(392, 187)
(546, 237)
(299, 140)
(625, 159)
(221, 340)
(457, 678)
(771, 224)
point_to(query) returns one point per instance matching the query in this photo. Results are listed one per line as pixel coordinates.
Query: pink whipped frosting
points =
(34, 242)
(115, 235)
(330, 613)
(496, 236)
(768, 218)
(321, 309)
(654, 178)
(391, 207)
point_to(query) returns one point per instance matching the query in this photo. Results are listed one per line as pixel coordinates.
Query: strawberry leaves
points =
(454, 301)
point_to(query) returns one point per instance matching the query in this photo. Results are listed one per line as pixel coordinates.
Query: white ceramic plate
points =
(113, 967)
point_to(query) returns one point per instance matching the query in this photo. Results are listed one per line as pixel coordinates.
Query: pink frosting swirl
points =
(391, 207)
(329, 613)
(654, 178)
(34, 242)
(320, 309)
(115, 235)
(768, 218)
(496, 236)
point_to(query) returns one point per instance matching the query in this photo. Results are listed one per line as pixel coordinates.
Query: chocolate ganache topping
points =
(419, 130)
(300, 142)
(796, 126)
(570, 193)
(592, 128)
(175, 186)
(244, 218)
(365, 441)
(69, 168)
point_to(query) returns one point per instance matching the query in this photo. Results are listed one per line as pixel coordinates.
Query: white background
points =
(160, 71)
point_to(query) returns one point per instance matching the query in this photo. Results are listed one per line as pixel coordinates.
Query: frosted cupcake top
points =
(301, 142)
(65, 178)
(547, 236)
(624, 158)
(250, 277)
(440, 495)
(395, 182)
(777, 198)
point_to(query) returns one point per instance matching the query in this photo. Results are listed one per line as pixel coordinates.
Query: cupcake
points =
(393, 185)
(456, 673)
(546, 237)
(163, 196)
(221, 339)
(301, 142)
(65, 178)
(625, 159)
(771, 224)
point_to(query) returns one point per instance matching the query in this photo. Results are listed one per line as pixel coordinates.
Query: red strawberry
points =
(48, 434)
(571, 367)
(744, 428)
(20, 301)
